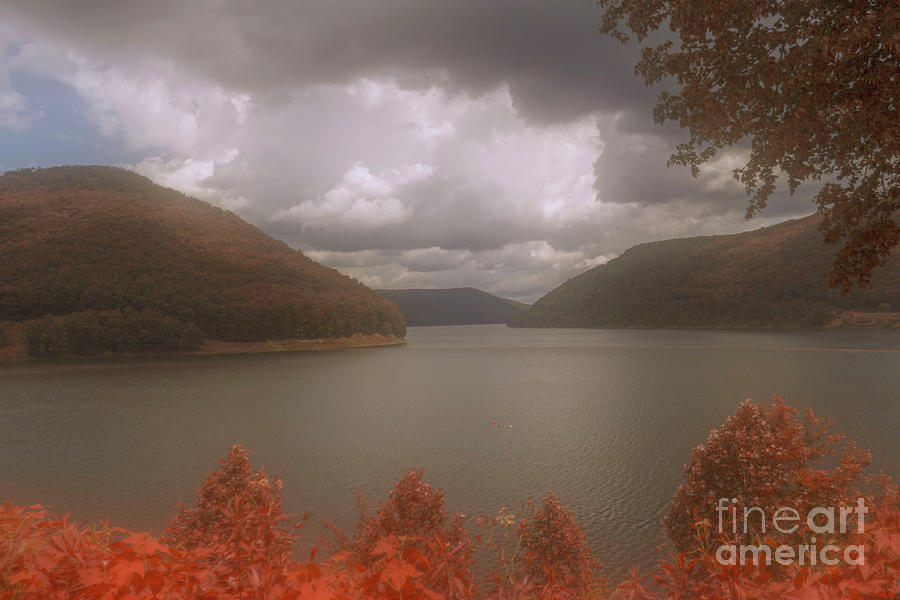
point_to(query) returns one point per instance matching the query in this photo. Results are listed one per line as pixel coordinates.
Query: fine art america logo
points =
(820, 521)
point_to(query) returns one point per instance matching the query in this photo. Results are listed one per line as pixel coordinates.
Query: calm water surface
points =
(606, 419)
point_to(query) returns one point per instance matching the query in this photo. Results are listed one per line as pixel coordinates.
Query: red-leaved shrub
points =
(235, 542)
(238, 521)
(763, 456)
(414, 515)
(553, 547)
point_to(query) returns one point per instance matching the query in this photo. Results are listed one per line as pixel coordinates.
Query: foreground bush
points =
(414, 516)
(764, 456)
(235, 543)
(543, 555)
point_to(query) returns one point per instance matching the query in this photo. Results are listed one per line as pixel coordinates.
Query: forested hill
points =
(140, 267)
(456, 306)
(770, 277)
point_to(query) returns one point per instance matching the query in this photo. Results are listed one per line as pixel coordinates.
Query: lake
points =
(604, 418)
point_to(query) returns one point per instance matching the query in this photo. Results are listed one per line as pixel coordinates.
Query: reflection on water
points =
(605, 419)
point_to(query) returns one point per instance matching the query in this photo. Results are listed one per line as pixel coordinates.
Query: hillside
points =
(770, 277)
(138, 267)
(457, 306)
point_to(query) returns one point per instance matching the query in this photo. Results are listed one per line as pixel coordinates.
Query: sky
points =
(505, 145)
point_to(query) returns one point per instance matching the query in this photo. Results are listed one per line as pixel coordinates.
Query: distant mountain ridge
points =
(453, 306)
(769, 277)
(126, 265)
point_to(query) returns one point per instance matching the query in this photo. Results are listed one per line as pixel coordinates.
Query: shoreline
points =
(15, 352)
(353, 342)
(847, 320)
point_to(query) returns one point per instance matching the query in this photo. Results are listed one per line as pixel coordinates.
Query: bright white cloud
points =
(361, 200)
(189, 175)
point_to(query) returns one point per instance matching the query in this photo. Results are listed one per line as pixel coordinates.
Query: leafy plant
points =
(414, 514)
(763, 456)
(235, 543)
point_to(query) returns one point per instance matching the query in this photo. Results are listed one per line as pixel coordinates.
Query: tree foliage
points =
(217, 510)
(91, 240)
(553, 549)
(89, 333)
(414, 514)
(812, 86)
(763, 456)
(235, 542)
(770, 277)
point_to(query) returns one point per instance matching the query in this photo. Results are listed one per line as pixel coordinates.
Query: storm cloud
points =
(504, 144)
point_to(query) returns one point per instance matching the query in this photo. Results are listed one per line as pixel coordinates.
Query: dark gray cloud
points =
(556, 64)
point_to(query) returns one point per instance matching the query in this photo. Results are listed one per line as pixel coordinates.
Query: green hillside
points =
(126, 265)
(770, 277)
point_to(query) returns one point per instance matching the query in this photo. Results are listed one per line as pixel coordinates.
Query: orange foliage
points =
(414, 517)
(235, 543)
(766, 457)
